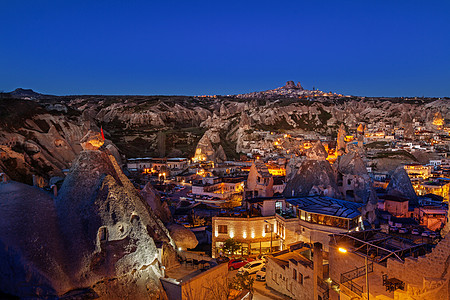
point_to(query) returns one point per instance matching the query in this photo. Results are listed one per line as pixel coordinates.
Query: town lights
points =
(342, 250)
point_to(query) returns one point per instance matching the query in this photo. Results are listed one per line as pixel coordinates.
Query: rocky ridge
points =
(47, 138)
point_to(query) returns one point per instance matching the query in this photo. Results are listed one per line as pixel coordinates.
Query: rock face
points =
(92, 141)
(314, 177)
(35, 141)
(355, 183)
(317, 152)
(341, 147)
(183, 237)
(161, 209)
(400, 185)
(98, 228)
(32, 257)
(209, 147)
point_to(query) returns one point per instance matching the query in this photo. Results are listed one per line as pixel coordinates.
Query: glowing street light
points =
(343, 250)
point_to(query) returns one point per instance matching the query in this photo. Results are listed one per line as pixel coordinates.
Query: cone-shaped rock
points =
(315, 176)
(400, 185)
(108, 230)
(317, 152)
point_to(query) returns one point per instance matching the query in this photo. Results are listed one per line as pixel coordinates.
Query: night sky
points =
(360, 47)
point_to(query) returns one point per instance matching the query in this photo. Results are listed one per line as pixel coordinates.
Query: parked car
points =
(252, 267)
(433, 235)
(262, 257)
(261, 274)
(393, 229)
(235, 264)
(426, 233)
(222, 259)
(403, 230)
(415, 231)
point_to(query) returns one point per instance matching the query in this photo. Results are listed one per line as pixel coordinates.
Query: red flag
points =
(103, 136)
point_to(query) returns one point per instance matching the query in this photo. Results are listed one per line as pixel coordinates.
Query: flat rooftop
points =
(379, 246)
(185, 272)
(327, 206)
(282, 258)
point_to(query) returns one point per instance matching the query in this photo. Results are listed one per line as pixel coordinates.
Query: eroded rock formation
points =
(400, 185)
(315, 176)
(99, 235)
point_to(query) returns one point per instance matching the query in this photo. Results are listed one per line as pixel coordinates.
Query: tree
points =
(230, 246)
(242, 282)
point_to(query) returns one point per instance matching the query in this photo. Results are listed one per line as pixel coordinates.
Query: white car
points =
(415, 231)
(403, 230)
(251, 267)
(261, 274)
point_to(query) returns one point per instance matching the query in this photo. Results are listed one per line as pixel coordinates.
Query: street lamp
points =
(343, 250)
(270, 225)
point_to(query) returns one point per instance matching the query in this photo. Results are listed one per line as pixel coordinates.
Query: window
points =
(103, 234)
(268, 228)
(294, 275)
(222, 229)
(300, 278)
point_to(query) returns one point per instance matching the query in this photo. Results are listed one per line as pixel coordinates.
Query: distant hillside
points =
(25, 94)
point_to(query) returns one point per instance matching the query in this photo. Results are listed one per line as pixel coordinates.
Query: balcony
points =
(287, 214)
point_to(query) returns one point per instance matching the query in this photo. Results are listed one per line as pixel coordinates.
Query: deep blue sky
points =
(360, 47)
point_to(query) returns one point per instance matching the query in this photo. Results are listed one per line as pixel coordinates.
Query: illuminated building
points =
(259, 181)
(417, 171)
(308, 219)
(436, 187)
(397, 206)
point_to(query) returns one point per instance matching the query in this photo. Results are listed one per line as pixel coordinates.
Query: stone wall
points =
(281, 280)
(243, 230)
(425, 273)
(211, 284)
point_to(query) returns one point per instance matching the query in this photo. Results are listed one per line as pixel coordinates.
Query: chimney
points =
(55, 190)
(318, 267)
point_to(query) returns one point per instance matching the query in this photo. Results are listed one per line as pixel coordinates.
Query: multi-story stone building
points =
(271, 223)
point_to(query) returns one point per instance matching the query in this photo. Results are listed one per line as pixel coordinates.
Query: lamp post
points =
(343, 250)
(270, 225)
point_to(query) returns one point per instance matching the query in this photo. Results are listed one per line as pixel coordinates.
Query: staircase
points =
(347, 278)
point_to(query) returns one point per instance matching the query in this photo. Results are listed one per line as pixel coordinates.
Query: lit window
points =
(222, 229)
